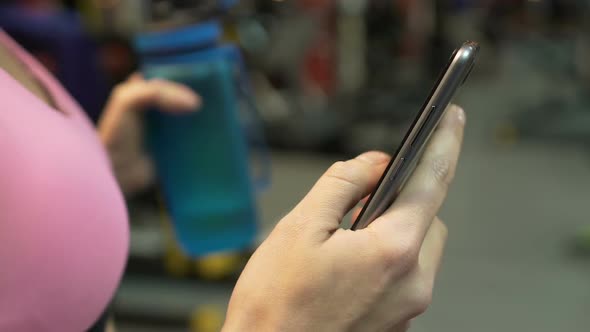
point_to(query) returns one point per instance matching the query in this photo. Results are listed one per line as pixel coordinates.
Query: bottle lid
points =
(178, 40)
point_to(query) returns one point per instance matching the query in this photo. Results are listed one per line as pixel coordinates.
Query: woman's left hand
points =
(120, 127)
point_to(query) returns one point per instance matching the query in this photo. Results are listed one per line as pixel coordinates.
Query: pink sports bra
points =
(63, 223)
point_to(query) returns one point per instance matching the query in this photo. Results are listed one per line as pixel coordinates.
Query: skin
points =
(310, 275)
(120, 127)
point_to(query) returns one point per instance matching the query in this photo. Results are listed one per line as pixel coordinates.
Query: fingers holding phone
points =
(418, 136)
(427, 187)
(373, 279)
(409, 236)
(341, 187)
(312, 275)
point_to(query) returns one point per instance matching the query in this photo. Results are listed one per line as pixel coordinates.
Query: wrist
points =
(259, 319)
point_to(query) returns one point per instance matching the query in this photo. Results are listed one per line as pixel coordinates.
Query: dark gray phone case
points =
(406, 158)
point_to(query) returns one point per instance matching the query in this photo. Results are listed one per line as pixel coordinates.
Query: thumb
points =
(343, 185)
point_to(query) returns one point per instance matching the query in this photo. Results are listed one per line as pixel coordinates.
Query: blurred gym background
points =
(328, 79)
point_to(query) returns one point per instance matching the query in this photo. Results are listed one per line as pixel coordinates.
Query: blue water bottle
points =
(202, 158)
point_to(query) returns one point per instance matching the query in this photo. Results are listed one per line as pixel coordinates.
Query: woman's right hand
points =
(311, 275)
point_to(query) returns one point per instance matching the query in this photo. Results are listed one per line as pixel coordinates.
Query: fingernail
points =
(460, 114)
(374, 157)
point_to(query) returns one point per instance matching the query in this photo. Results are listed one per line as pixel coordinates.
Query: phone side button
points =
(399, 165)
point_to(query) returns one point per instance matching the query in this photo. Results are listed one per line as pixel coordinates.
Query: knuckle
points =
(120, 89)
(337, 169)
(123, 92)
(400, 257)
(344, 172)
(419, 301)
(420, 295)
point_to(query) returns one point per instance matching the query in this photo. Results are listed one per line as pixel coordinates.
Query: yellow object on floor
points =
(175, 262)
(212, 267)
(218, 266)
(207, 319)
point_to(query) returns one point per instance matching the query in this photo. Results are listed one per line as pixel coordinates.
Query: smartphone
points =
(408, 154)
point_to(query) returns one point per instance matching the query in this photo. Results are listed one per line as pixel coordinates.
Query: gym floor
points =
(513, 210)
